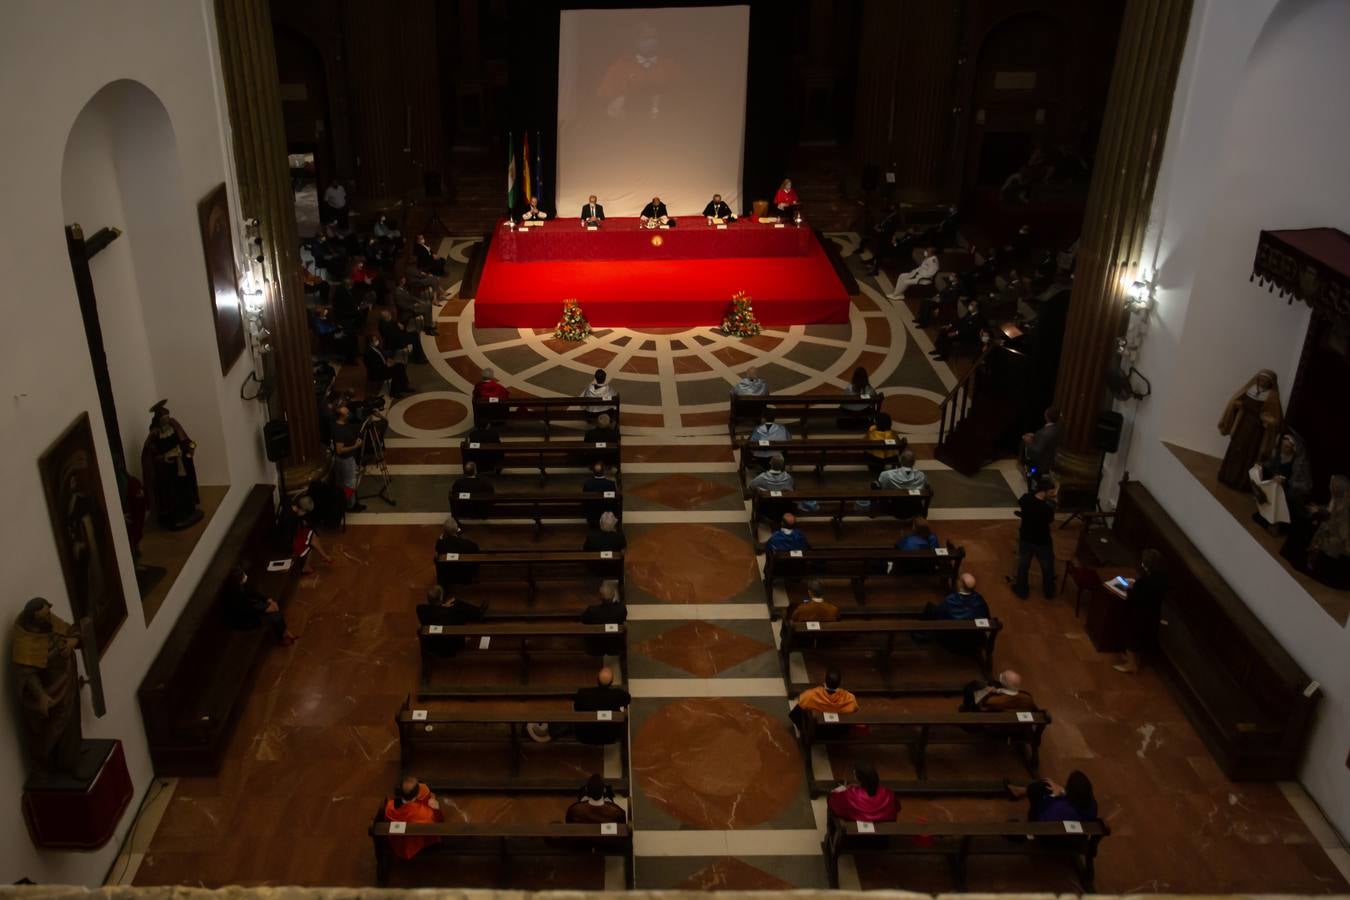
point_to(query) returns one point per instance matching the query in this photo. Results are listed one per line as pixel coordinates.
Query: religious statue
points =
(1253, 417)
(48, 687)
(169, 472)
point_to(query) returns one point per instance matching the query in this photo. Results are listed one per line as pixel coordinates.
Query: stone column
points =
(1134, 128)
(249, 63)
(903, 121)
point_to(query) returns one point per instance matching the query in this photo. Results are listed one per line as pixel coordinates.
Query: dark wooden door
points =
(1317, 406)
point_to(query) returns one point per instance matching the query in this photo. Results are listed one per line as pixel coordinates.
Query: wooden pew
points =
(532, 567)
(834, 505)
(517, 637)
(919, 731)
(817, 453)
(200, 679)
(1076, 842)
(804, 636)
(538, 507)
(859, 564)
(426, 736)
(545, 410)
(801, 408)
(504, 841)
(542, 455)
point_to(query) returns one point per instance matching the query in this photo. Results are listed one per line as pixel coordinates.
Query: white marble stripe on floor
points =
(705, 687)
(738, 842)
(962, 513)
(666, 612)
(684, 517)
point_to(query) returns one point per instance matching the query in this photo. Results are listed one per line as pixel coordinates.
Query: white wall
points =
(1258, 138)
(53, 59)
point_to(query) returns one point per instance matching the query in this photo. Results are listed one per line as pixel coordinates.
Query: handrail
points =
(956, 404)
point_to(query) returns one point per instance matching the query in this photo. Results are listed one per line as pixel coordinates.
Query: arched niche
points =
(122, 169)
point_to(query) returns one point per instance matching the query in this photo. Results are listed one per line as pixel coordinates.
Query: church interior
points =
(957, 503)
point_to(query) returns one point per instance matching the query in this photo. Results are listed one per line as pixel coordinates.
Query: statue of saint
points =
(1253, 417)
(168, 470)
(42, 654)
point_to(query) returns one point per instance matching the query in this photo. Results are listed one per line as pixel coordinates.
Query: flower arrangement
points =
(573, 325)
(741, 321)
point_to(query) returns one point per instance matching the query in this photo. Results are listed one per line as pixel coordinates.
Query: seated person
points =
(751, 385)
(904, 477)
(398, 342)
(450, 573)
(717, 209)
(385, 230)
(381, 368)
(603, 432)
(246, 608)
(881, 432)
(654, 214)
(427, 260)
(599, 389)
(413, 803)
(1003, 695)
(595, 805)
(865, 801)
(815, 608)
(486, 433)
(828, 697)
(1328, 554)
(606, 535)
(533, 213)
(767, 430)
(920, 538)
(592, 213)
(488, 387)
(1049, 802)
(923, 273)
(964, 604)
(611, 610)
(300, 524)
(470, 483)
(443, 609)
(774, 478)
(600, 483)
(966, 332)
(786, 205)
(604, 696)
(787, 537)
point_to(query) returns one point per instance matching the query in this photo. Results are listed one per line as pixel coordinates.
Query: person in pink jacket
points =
(866, 801)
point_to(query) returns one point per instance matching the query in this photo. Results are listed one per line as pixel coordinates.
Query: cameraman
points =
(346, 444)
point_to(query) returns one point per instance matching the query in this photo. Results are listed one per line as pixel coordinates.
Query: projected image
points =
(651, 102)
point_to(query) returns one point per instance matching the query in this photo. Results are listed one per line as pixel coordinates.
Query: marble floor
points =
(719, 789)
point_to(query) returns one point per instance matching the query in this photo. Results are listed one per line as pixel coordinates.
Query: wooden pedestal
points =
(69, 813)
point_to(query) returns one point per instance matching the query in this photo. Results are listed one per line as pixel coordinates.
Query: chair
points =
(1084, 578)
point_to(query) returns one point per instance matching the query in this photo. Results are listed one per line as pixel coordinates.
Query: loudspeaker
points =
(1106, 433)
(277, 440)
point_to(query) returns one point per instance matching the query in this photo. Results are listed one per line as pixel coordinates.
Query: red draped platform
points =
(625, 276)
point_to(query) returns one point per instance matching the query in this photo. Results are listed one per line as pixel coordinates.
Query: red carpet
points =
(622, 280)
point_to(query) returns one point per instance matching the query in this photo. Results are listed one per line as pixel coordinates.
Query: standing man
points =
(655, 213)
(1037, 510)
(592, 213)
(1038, 449)
(345, 445)
(335, 202)
(717, 209)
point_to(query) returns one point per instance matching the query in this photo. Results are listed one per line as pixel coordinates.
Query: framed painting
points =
(83, 532)
(222, 275)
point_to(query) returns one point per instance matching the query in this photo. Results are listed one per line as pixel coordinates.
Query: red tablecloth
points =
(693, 238)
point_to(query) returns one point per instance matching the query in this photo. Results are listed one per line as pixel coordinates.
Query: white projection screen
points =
(651, 102)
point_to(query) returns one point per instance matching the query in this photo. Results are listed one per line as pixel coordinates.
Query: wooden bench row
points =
(541, 455)
(861, 565)
(523, 638)
(1075, 842)
(545, 410)
(834, 505)
(580, 505)
(529, 568)
(801, 408)
(978, 636)
(817, 453)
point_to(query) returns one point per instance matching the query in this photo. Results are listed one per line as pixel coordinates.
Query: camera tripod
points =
(370, 459)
